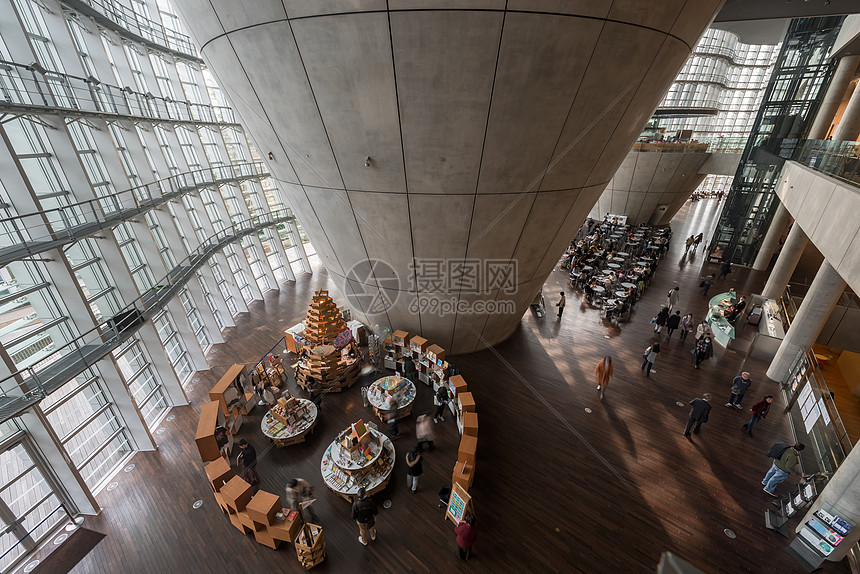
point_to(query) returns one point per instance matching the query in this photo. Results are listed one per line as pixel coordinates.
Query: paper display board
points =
(458, 503)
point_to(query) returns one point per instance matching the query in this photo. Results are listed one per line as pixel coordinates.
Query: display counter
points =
(724, 332)
(286, 425)
(403, 391)
(360, 457)
(770, 330)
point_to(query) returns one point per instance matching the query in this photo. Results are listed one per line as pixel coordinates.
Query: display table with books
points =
(359, 457)
(403, 391)
(289, 421)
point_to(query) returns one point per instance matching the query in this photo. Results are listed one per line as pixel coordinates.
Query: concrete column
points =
(849, 126)
(148, 337)
(774, 232)
(127, 406)
(791, 252)
(48, 444)
(825, 290)
(841, 497)
(833, 97)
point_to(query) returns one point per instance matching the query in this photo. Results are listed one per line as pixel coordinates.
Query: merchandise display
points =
(329, 359)
(289, 421)
(402, 390)
(359, 457)
(723, 330)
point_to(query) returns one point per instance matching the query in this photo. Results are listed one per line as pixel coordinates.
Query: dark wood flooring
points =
(558, 488)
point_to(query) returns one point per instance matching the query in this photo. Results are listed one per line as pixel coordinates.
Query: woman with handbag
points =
(649, 357)
(704, 350)
(661, 319)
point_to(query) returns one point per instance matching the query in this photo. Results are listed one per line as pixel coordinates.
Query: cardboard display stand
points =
(458, 504)
(310, 545)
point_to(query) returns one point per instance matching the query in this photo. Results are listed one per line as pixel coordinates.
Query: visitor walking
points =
(706, 283)
(604, 374)
(740, 385)
(298, 491)
(698, 414)
(759, 411)
(660, 319)
(248, 459)
(424, 432)
(703, 350)
(782, 466)
(672, 324)
(697, 241)
(689, 243)
(725, 269)
(649, 357)
(467, 532)
(364, 513)
(703, 330)
(686, 325)
(561, 303)
(414, 469)
(440, 399)
(672, 297)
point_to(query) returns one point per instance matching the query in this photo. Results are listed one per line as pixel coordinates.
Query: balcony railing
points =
(128, 19)
(71, 359)
(29, 87)
(29, 234)
(696, 145)
(839, 159)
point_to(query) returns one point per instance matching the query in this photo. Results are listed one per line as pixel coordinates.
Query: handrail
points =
(267, 353)
(32, 233)
(696, 145)
(130, 21)
(32, 87)
(838, 159)
(29, 532)
(94, 344)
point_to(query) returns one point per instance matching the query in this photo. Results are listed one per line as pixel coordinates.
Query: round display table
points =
(359, 457)
(291, 424)
(403, 391)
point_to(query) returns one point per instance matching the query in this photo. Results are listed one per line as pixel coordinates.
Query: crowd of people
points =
(612, 264)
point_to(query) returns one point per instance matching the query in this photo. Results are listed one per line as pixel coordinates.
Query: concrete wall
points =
(650, 187)
(492, 129)
(849, 364)
(828, 211)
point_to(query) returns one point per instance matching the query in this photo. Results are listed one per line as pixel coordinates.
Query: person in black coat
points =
(704, 350)
(736, 310)
(698, 414)
(660, 319)
(672, 324)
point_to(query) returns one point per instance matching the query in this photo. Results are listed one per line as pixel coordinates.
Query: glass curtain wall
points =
(796, 86)
(73, 157)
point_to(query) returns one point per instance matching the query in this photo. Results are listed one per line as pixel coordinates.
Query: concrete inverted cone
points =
(440, 161)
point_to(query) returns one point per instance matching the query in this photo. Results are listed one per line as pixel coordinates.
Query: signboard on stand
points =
(459, 502)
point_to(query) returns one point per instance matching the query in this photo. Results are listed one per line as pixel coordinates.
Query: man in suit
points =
(698, 414)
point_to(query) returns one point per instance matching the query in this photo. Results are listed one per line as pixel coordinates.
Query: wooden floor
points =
(558, 488)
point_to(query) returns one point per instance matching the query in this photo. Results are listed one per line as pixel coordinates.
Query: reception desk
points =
(723, 330)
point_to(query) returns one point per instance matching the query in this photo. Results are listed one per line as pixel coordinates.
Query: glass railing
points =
(85, 350)
(694, 145)
(128, 19)
(839, 159)
(31, 85)
(28, 234)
